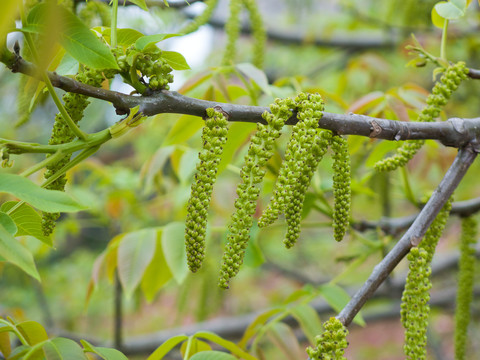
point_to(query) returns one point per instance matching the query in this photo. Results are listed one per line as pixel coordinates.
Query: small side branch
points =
(414, 234)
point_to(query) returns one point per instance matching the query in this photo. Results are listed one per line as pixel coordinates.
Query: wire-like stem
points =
(49, 159)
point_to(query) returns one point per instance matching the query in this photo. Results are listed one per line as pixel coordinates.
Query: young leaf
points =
(63, 349)
(337, 298)
(104, 353)
(173, 236)
(27, 220)
(75, 37)
(125, 37)
(45, 200)
(147, 40)
(33, 332)
(165, 348)
(175, 60)
(195, 346)
(256, 325)
(5, 347)
(184, 128)
(14, 252)
(256, 75)
(453, 9)
(308, 319)
(135, 252)
(7, 15)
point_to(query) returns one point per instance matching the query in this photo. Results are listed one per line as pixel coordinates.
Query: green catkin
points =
(415, 309)
(258, 32)
(214, 137)
(465, 284)
(232, 29)
(95, 13)
(331, 344)
(202, 19)
(259, 152)
(293, 213)
(341, 187)
(439, 97)
(75, 105)
(298, 148)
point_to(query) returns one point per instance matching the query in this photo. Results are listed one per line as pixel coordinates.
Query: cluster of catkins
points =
(415, 309)
(331, 344)
(439, 97)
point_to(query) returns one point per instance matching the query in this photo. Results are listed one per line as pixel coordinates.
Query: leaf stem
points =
(113, 27)
(443, 46)
(50, 159)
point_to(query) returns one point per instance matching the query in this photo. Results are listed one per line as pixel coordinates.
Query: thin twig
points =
(413, 236)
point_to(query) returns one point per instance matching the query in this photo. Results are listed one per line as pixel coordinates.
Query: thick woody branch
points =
(414, 234)
(455, 132)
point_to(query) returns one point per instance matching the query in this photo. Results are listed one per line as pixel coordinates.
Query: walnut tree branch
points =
(414, 234)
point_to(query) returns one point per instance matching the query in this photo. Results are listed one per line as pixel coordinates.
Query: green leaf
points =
(104, 353)
(237, 136)
(183, 129)
(45, 200)
(165, 348)
(337, 298)
(437, 20)
(140, 3)
(157, 272)
(14, 252)
(75, 37)
(187, 166)
(33, 332)
(195, 346)
(230, 346)
(125, 37)
(135, 252)
(5, 347)
(173, 244)
(212, 355)
(454, 9)
(27, 220)
(308, 319)
(8, 223)
(175, 60)
(147, 40)
(285, 340)
(63, 349)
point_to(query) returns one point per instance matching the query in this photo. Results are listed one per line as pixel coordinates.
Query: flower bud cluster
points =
(331, 344)
(415, 309)
(465, 284)
(214, 137)
(341, 187)
(75, 105)
(259, 152)
(441, 93)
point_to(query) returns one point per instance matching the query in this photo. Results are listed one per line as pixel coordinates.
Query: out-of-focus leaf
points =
(237, 135)
(5, 347)
(196, 346)
(165, 348)
(33, 332)
(147, 40)
(187, 166)
(437, 20)
(173, 239)
(453, 9)
(285, 340)
(337, 298)
(45, 200)
(140, 3)
(7, 17)
(27, 220)
(230, 346)
(308, 319)
(367, 102)
(63, 349)
(8, 223)
(157, 273)
(257, 324)
(212, 355)
(380, 151)
(185, 127)
(135, 252)
(104, 353)
(256, 75)
(175, 60)
(14, 252)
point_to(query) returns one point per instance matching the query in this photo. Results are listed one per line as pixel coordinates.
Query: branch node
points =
(415, 240)
(376, 129)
